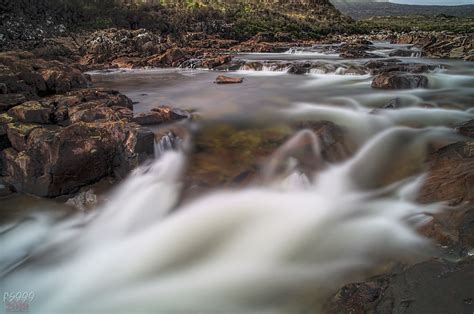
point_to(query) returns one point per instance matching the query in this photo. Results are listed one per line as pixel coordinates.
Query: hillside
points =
(234, 19)
(362, 10)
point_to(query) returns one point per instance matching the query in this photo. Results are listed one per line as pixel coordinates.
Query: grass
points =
(417, 23)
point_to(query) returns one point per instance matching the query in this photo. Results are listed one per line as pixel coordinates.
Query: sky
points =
(434, 2)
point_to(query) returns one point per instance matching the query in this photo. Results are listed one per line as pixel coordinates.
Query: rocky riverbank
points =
(44, 101)
(58, 134)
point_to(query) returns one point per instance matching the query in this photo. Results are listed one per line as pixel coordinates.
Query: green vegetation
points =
(421, 23)
(238, 19)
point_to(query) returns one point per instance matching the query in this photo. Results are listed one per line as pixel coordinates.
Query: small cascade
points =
(417, 54)
(166, 143)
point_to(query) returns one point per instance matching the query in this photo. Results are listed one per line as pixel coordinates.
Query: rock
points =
(83, 201)
(159, 115)
(136, 148)
(357, 50)
(221, 79)
(93, 138)
(469, 58)
(399, 80)
(3, 88)
(213, 62)
(439, 44)
(26, 76)
(18, 134)
(32, 112)
(394, 65)
(401, 53)
(467, 128)
(299, 68)
(104, 46)
(415, 289)
(8, 101)
(171, 58)
(451, 174)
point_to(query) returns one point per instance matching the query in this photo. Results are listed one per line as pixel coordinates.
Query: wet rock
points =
(394, 65)
(256, 46)
(402, 53)
(357, 50)
(83, 201)
(335, 146)
(159, 115)
(299, 68)
(439, 44)
(136, 148)
(451, 174)
(253, 66)
(399, 80)
(415, 289)
(32, 112)
(467, 128)
(3, 88)
(171, 58)
(213, 62)
(221, 79)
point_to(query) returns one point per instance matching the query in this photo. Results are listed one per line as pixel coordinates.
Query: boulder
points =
(394, 65)
(357, 50)
(159, 115)
(171, 58)
(105, 46)
(32, 112)
(89, 136)
(414, 289)
(399, 80)
(221, 79)
(213, 62)
(8, 101)
(63, 80)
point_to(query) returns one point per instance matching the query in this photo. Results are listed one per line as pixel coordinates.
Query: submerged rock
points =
(399, 80)
(221, 79)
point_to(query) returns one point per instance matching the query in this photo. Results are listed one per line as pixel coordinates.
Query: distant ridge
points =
(364, 9)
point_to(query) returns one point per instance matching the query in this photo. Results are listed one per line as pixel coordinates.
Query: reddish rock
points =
(171, 58)
(18, 134)
(212, 62)
(159, 115)
(221, 79)
(93, 138)
(399, 80)
(63, 80)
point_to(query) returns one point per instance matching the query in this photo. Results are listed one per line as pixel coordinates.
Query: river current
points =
(281, 242)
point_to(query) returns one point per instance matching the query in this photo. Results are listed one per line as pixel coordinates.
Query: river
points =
(302, 224)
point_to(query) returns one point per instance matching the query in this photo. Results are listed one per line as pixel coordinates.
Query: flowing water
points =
(281, 244)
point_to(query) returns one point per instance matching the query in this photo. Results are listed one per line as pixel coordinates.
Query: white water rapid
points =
(271, 248)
